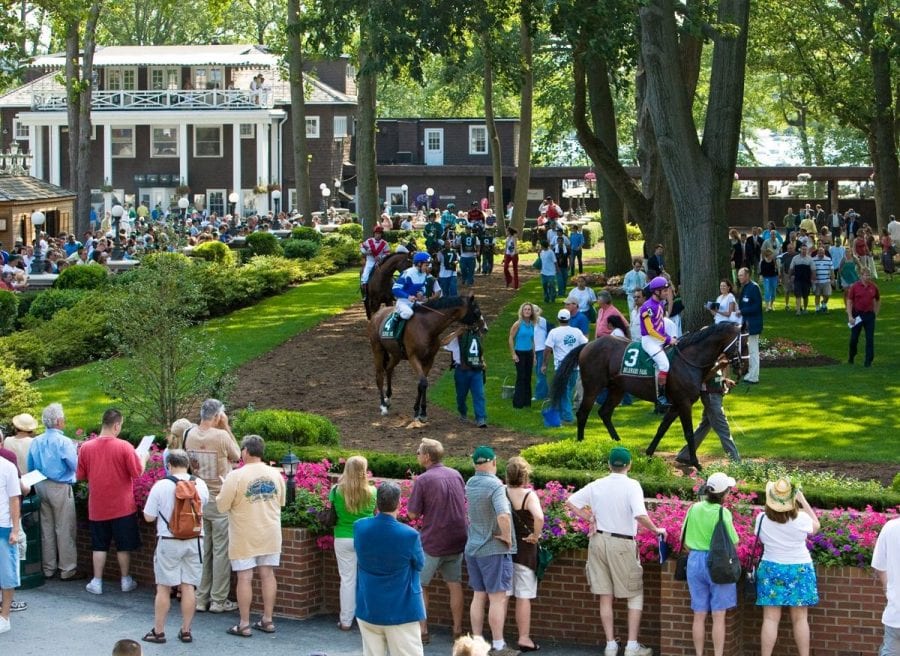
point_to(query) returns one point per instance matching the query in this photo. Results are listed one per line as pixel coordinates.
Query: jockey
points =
(375, 249)
(654, 336)
(410, 286)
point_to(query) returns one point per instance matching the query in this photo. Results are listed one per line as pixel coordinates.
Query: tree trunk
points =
(367, 177)
(298, 115)
(523, 166)
(887, 168)
(612, 214)
(493, 138)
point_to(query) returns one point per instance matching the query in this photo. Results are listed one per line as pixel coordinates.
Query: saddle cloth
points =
(636, 362)
(391, 326)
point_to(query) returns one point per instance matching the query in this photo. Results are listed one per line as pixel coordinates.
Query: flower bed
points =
(784, 352)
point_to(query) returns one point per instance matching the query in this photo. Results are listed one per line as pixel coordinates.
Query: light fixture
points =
(233, 197)
(37, 220)
(326, 192)
(183, 203)
(491, 189)
(289, 467)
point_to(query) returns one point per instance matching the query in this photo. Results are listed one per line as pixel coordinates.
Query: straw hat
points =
(780, 495)
(25, 423)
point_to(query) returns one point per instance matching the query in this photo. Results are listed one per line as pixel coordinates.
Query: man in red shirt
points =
(863, 303)
(109, 465)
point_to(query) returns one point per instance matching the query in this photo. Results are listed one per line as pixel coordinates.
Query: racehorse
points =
(693, 361)
(382, 279)
(420, 343)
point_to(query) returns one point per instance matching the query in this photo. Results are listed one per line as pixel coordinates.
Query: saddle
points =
(637, 363)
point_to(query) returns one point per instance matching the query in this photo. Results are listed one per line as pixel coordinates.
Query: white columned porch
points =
(262, 165)
(236, 167)
(107, 165)
(36, 148)
(183, 155)
(54, 174)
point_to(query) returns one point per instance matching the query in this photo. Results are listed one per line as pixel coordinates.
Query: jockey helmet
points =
(658, 283)
(378, 228)
(419, 258)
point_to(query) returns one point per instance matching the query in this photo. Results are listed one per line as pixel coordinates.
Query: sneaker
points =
(482, 423)
(128, 584)
(640, 650)
(226, 606)
(17, 606)
(4, 625)
(611, 651)
(94, 587)
(201, 606)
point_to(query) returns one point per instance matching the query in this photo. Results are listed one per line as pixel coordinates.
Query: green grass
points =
(838, 412)
(240, 337)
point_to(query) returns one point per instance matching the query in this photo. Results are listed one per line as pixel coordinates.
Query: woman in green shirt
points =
(352, 498)
(696, 535)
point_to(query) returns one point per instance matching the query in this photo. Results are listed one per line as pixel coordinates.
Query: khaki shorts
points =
(266, 560)
(822, 289)
(613, 567)
(525, 583)
(450, 568)
(177, 561)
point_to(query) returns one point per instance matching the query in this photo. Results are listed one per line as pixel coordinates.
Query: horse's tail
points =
(563, 372)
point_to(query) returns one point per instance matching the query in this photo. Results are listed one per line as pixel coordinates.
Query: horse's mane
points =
(690, 339)
(446, 302)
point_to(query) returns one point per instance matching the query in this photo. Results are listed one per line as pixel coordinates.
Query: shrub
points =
(52, 301)
(86, 276)
(273, 274)
(25, 350)
(633, 232)
(214, 251)
(307, 233)
(76, 333)
(593, 232)
(301, 249)
(16, 395)
(401, 236)
(295, 428)
(25, 301)
(9, 311)
(588, 455)
(353, 229)
(895, 484)
(264, 243)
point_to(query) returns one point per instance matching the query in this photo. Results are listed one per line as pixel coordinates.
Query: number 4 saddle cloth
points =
(636, 362)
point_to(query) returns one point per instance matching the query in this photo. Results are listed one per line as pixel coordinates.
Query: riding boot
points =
(662, 401)
(364, 292)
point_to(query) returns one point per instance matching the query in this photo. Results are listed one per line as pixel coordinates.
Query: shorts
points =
(9, 561)
(786, 585)
(788, 283)
(707, 596)
(613, 567)
(450, 568)
(177, 561)
(266, 560)
(122, 530)
(822, 289)
(525, 582)
(490, 573)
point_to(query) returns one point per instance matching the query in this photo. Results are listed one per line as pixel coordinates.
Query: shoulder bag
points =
(327, 517)
(722, 559)
(681, 563)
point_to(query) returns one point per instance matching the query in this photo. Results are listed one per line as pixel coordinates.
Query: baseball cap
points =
(619, 456)
(483, 454)
(719, 482)
(571, 301)
(563, 315)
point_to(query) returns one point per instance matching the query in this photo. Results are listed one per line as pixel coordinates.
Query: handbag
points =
(327, 517)
(750, 574)
(537, 263)
(544, 558)
(681, 562)
(722, 559)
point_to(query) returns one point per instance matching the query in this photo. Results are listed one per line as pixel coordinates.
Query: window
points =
(20, 130)
(248, 130)
(216, 201)
(164, 141)
(212, 77)
(292, 201)
(122, 142)
(478, 144)
(312, 127)
(340, 127)
(162, 79)
(207, 141)
(121, 79)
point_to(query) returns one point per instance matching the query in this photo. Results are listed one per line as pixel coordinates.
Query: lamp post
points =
(429, 193)
(405, 189)
(183, 205)
(326, 192)
(233, 199)
(276, 200)
(37, 220)
(117, 211)
(289, 466)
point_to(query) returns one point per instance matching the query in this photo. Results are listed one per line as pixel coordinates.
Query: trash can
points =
(30, 569)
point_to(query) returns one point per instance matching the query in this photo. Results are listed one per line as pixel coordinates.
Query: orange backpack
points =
(187, 516)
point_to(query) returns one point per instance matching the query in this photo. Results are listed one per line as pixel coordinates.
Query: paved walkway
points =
(62, 618)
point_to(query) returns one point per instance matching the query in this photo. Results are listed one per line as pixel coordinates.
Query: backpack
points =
(722, 559)
(187, 515)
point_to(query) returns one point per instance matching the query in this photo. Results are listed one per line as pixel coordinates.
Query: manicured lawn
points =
(240, 336)
(838, 412)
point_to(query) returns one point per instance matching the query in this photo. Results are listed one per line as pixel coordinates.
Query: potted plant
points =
(106, 187)
(274, 186)
(261, 188)
(182, 189)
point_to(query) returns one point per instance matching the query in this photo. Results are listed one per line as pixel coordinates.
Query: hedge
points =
(214, 251)
(307, 233)
(82, 276)
(264, 243)
(301, 249)
(51, 301)
(9, 311)
(293, 428)
(353, 230)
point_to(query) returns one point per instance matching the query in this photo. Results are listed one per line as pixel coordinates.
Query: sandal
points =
(185, 636)
(265, 627)
(154, 637)
(240, 631)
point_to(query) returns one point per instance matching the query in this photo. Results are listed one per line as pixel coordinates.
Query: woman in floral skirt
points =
(786, 576)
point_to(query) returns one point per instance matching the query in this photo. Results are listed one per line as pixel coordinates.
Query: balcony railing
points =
(164, 99)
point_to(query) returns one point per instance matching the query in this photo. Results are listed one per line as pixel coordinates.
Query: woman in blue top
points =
(521, 344)
(696, 535)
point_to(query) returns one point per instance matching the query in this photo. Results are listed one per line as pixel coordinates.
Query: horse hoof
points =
(384, 411)
(422, 419)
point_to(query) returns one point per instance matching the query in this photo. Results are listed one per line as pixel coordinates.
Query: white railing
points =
(165, 99)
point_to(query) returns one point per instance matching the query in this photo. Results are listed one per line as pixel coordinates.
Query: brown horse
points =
(693, 361)
(382, 279)
(420, 343)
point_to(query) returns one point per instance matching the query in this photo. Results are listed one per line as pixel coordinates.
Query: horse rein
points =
(732, 361)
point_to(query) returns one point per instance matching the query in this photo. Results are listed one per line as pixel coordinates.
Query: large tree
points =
(299, 145)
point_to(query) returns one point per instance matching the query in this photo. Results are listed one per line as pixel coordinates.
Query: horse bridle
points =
(734, 361)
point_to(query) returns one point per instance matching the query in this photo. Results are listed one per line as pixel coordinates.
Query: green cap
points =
(619, 456)
(482, 455)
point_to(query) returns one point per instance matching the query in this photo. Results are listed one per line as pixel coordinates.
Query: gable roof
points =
(24, 188)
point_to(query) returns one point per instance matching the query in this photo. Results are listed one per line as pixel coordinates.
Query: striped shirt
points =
(823, 268)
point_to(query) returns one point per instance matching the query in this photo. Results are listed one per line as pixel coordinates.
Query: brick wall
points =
(847, 621)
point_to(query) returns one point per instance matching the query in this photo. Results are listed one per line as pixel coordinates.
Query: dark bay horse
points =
(421, 341)
(693, 361)
(382, 279)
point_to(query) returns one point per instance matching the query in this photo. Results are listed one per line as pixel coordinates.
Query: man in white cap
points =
(560, 341)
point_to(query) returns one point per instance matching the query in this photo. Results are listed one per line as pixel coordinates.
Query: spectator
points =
(887, 254)
(213, 450)
(614, 505)
(561, 252)
(10, 525)
(634, 281)
(560, 341)
(576, 318)
(252, 497)
(634, 324)
(786, 576)
(862, 252)
(863, 303)
(541, 327)
(576, 244)
(176, 562)
(656, 263)
(586, 298)
(768, 271)
(389, 594)
(849, 271)
(20, 443)
(893, 228)
(708, 597)
(712, 396)
(606, 310)
(521, 346)
(352, 499)
(110, 465)
(439, 497)
(725, 307)
(528, 522)
(467, 350)
(53, 454)
(801, 278)
(787, 277)
(489, 548)
(886, 562)
(511, 259)
(837, 252)
(750, 310)
(823, 271)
